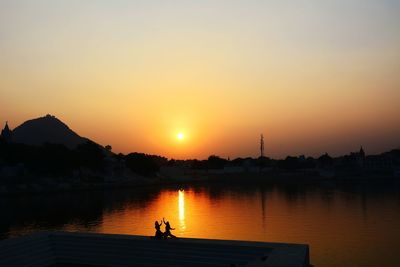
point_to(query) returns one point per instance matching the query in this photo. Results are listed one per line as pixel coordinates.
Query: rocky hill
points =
(46, 129)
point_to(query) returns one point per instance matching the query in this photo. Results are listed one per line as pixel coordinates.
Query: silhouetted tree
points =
(290, 163)
(263, 162)
(142, 164)
(199, 164)
(325, 161)
(238, 162)
(90, 155)
(53, 159)
(215, 162)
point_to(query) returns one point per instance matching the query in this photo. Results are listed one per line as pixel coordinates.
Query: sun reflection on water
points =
(181, 205)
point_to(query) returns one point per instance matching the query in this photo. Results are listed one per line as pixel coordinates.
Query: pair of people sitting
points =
(167, 233)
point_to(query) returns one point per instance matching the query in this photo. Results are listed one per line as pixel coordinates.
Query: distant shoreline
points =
(247, 178)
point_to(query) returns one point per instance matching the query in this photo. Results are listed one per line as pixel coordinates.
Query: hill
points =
(46, 129)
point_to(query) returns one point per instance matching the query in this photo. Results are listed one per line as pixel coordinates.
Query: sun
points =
(180, 136)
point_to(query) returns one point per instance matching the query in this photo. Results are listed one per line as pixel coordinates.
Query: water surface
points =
(345, 225)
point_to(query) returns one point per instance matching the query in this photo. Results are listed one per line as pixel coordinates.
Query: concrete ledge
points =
(63, 248)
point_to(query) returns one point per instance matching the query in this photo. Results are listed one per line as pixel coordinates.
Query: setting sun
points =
(180, 136)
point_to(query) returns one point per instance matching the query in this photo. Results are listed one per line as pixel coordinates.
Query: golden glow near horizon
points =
(221, 72)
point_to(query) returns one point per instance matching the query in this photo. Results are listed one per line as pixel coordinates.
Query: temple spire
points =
(362, 153)
(6, 133)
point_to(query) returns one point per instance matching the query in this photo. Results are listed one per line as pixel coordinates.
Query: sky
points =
(311, 76)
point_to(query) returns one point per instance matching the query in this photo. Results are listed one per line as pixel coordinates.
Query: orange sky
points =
(312, 77)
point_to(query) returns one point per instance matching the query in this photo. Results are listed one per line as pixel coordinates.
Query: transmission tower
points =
(262, 146)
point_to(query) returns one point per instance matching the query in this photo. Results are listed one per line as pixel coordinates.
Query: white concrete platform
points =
(50, 249)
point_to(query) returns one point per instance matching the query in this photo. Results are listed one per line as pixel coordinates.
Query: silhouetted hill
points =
(46, 129)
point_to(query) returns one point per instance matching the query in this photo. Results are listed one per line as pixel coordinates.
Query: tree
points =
(142, 164)
(215, 162)
(90, 155)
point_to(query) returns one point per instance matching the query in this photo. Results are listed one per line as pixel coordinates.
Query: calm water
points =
(345, 225)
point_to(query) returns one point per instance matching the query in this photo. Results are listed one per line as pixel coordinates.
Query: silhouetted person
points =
(168, 229)
(158, 234)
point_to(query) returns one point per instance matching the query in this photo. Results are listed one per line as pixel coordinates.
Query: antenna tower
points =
(262, 146)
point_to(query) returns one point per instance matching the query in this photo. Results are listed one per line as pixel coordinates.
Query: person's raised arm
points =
(163, 220)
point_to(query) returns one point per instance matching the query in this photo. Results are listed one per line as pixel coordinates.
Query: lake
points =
(353, 224)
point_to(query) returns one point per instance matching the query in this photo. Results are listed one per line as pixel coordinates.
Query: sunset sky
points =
(313, 76)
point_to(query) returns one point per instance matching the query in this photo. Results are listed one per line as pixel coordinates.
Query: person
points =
(168, 229)
(158, 234)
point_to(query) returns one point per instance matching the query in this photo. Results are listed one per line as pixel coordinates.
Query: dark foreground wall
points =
(63, 248)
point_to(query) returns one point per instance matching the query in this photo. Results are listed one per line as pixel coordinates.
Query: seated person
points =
(168, 229)
(158, 234)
